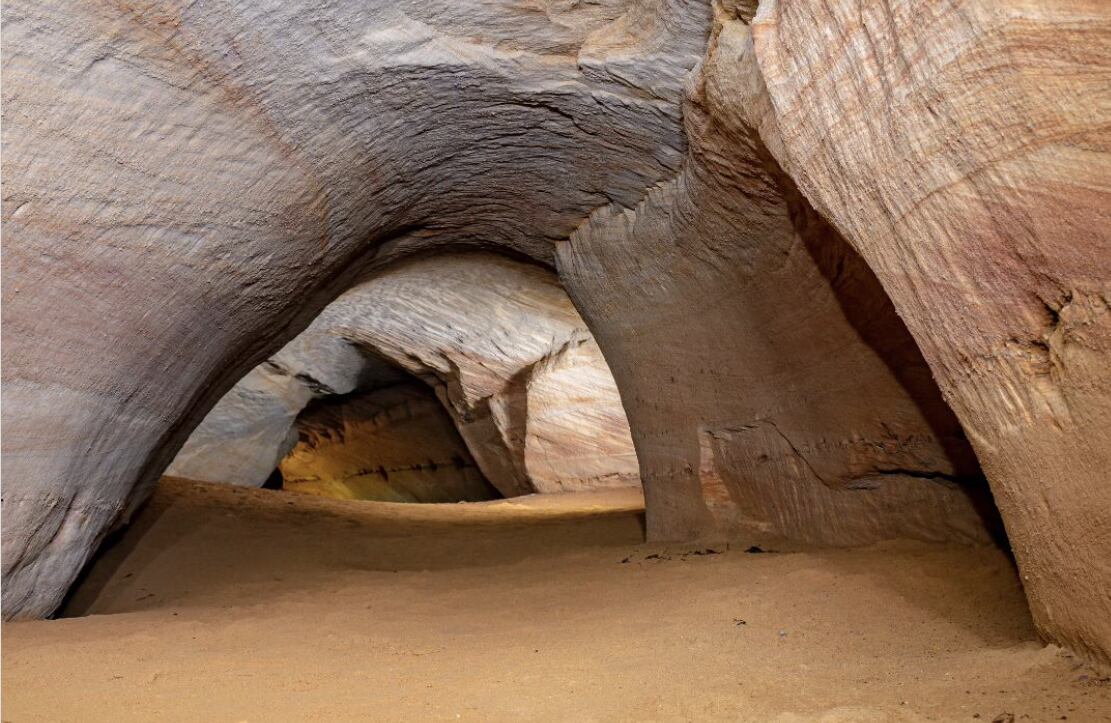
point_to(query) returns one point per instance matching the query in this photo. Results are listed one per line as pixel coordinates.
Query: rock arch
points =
(188, 185)
(248, 163)
(498, 340)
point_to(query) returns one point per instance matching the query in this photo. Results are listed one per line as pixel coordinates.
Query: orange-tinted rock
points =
(395, 444)
(498, 340)
(963, 149)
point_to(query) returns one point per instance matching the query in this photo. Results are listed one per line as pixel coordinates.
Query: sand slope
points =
(229, 604)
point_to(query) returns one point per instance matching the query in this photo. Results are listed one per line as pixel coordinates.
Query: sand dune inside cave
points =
(225, 603)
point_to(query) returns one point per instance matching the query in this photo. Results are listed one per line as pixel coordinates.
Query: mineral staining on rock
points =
(396, 444)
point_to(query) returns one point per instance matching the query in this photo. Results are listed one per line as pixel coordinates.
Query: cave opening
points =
(848, 263)
(447, 380)
(389, 440)
(457, 378)
(385, 399)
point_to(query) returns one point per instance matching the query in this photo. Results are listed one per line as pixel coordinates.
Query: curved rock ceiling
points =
(499, 342)
(746, 204)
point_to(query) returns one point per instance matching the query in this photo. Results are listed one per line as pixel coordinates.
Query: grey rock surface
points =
(188, 185)
(498, 340)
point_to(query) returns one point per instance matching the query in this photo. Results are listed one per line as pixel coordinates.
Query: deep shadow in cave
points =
(394, 443)
(872, 315)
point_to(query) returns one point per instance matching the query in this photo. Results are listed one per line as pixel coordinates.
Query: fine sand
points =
(227, 604)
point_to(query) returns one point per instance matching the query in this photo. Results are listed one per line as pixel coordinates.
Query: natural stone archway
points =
(187, 186)
(251, 428)
(498, 340)
(801, 404)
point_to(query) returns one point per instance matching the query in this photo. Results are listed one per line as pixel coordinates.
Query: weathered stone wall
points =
(394, 444)
(963, 149)
(186, 186)
(790, 396)
(251, 428)
(498, 340)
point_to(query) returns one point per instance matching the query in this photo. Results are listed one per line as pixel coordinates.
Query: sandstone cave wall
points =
(983, 130)
(801, 405)
(186, 187)
(498, 340)
(393, 444)
(249, 431)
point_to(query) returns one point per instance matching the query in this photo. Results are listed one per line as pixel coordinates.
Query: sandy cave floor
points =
(229, 604)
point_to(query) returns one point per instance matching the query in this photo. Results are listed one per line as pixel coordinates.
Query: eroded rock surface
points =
(801, 404)
(963, 149)
(251, 428)
(499, 341)
(995, 253)
(186, 187)
(395, 444)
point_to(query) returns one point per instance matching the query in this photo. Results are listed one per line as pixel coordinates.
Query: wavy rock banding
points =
(498, 340)
(778, 248)
(395, 444)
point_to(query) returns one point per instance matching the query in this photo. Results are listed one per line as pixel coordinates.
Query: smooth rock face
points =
(963, 149)
(251, 428)
(186, 188)
(511, 359)
(497, 339)
(801, 403)
(395, 444)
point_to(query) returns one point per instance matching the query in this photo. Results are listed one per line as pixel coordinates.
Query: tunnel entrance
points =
(463, 377)
(387, 400)
(396, 443)
(189, 181)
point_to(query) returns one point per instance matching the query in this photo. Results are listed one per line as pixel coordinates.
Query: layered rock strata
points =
(801, 404)
(395, 444)
(964, 150)
(251, 428)
(498, 340)
(186, 186)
